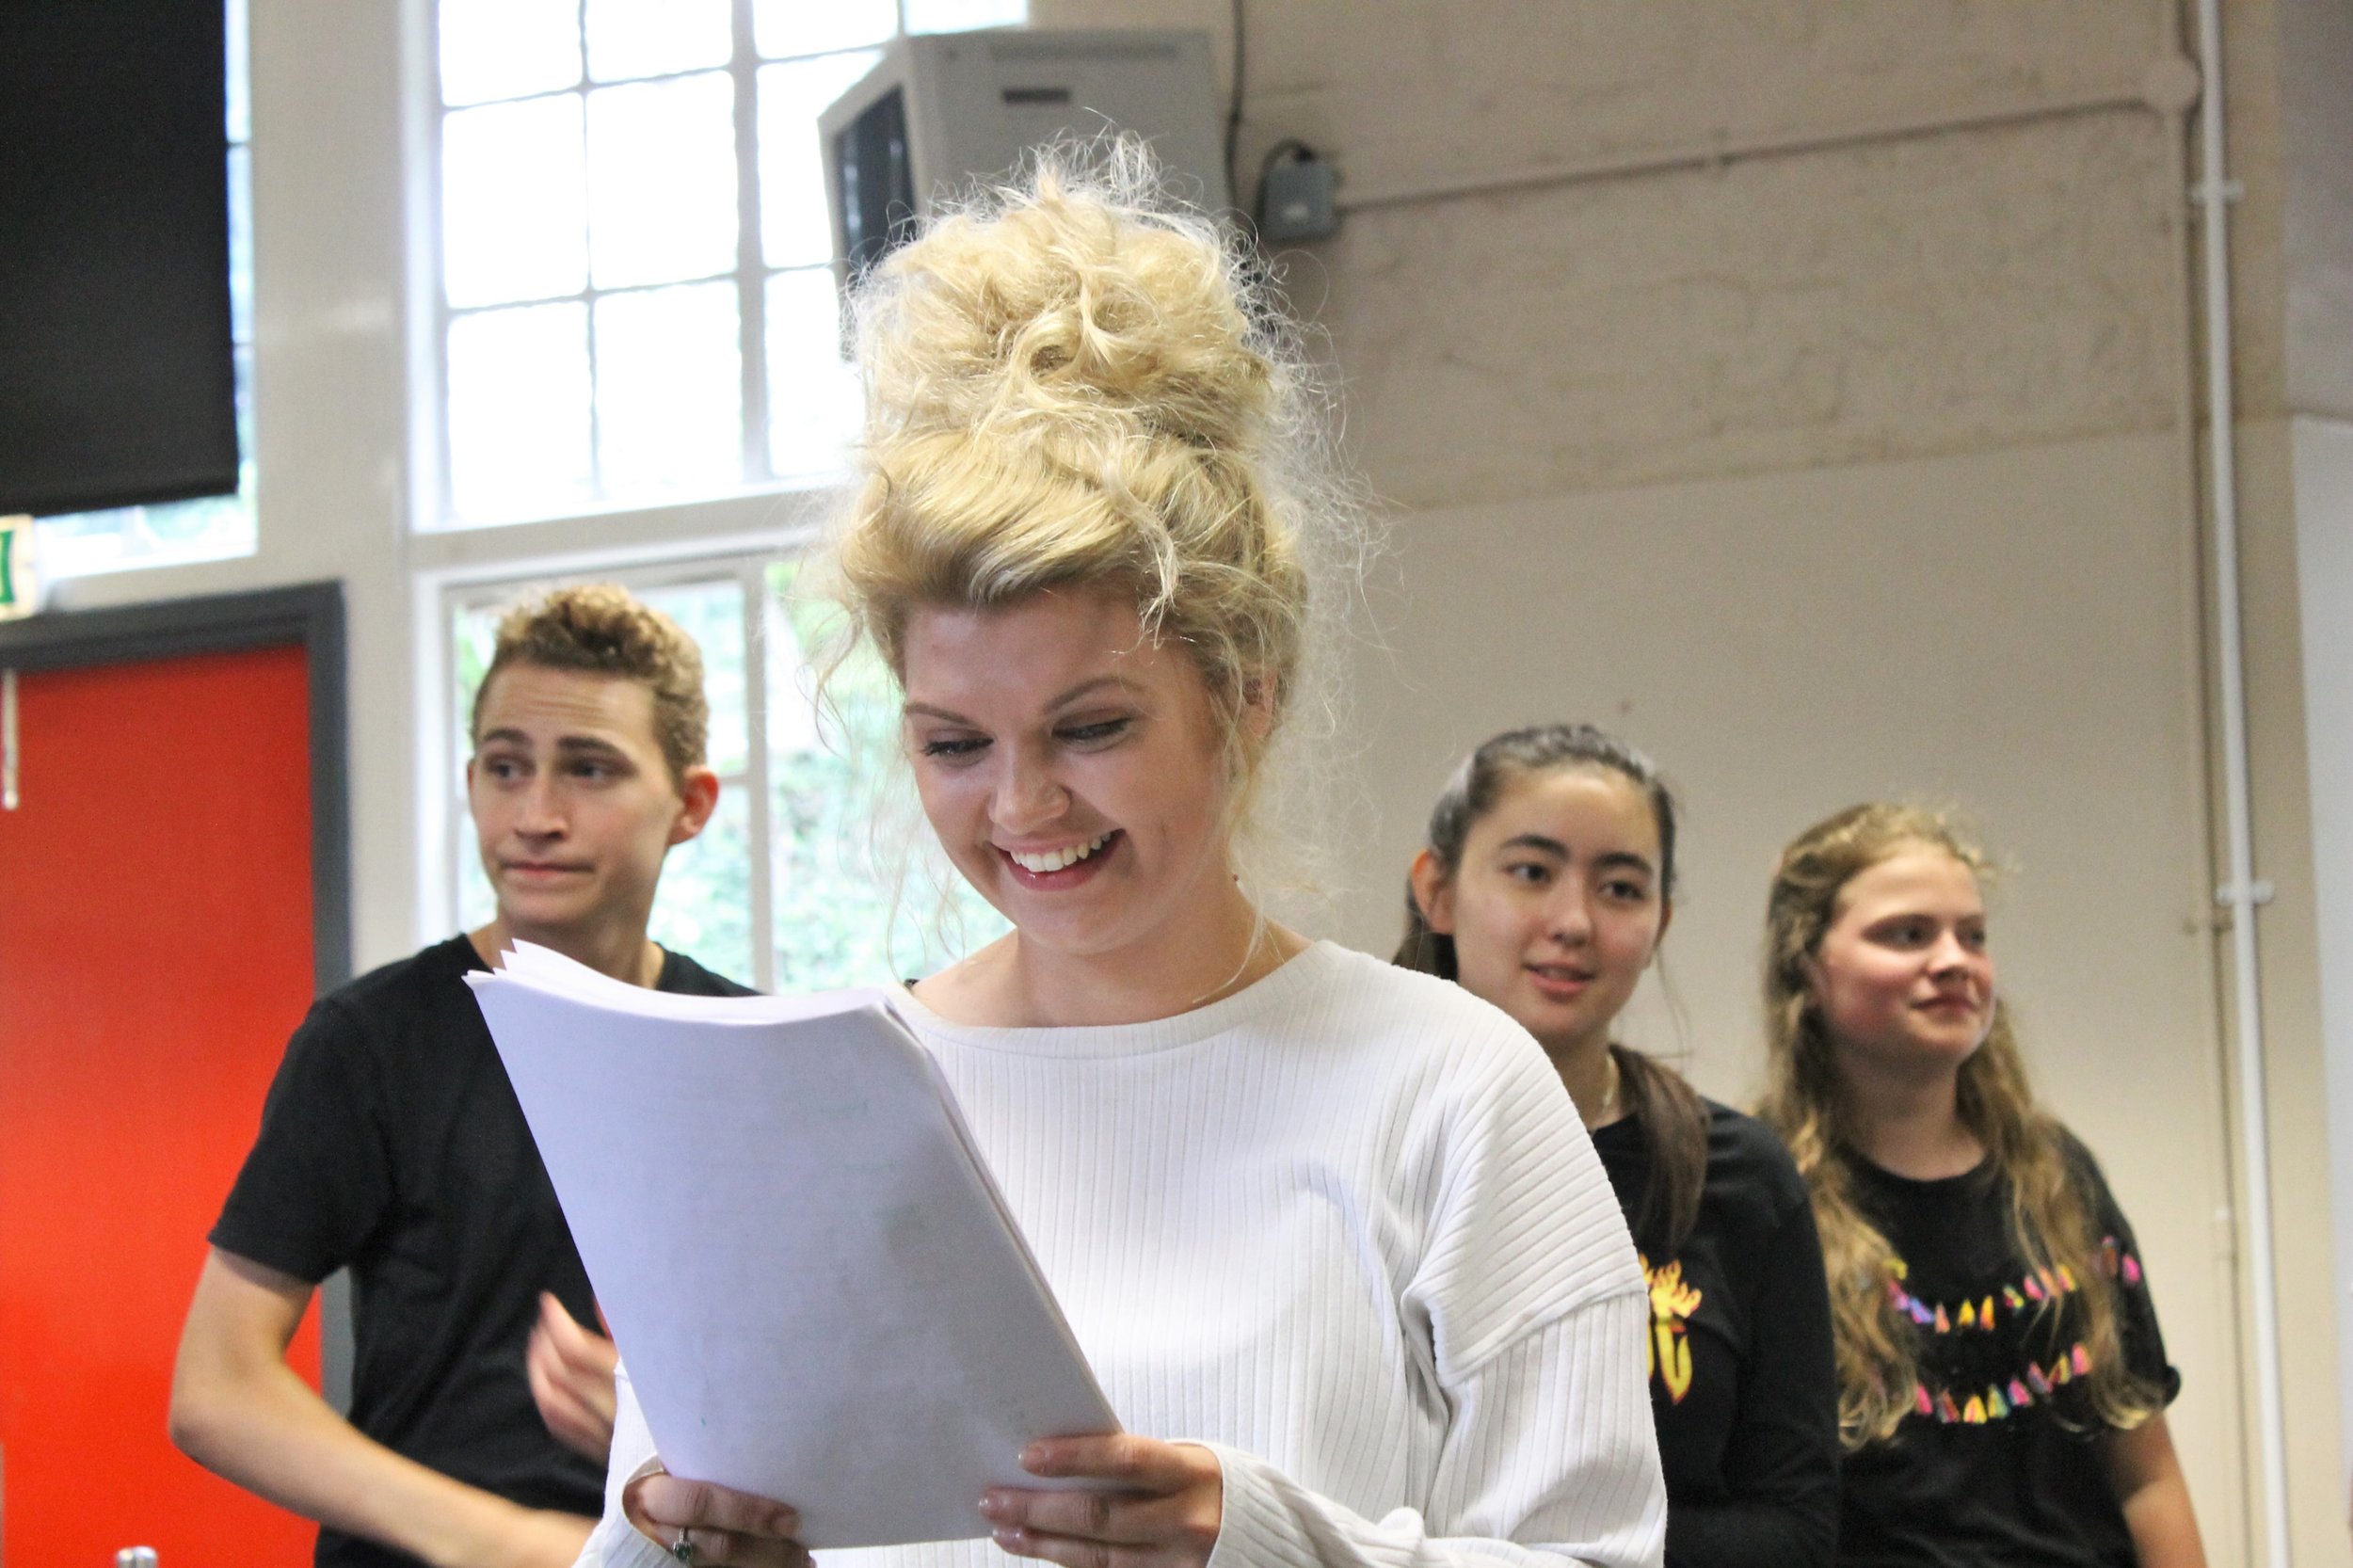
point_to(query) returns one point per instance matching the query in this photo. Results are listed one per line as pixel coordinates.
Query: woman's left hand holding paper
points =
(1167, 1513)
(725, 1528)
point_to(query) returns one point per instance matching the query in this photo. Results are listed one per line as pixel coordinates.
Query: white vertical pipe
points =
(2240, 893)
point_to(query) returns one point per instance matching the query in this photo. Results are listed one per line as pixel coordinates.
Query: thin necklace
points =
(1609, 1096)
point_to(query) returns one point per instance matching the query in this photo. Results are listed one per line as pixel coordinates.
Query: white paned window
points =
(670, 390)
(783, 28)
(513, 202)
(812, 401)
(633, 39)
(793, 228)
(662, 180)
(955, 16)
(215, 528)
(518, 406)
(788, 887)
(638, 300)
(493, 49)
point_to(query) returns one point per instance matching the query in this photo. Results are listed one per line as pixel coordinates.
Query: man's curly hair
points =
(605, 630)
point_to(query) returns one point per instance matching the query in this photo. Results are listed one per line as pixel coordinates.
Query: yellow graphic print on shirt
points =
(1666, 1349)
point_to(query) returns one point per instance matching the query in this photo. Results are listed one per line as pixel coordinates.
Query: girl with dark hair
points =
(2002, 1381)
(1545, 885)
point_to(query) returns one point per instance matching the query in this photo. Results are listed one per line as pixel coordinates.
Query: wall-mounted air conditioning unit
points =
(941, 110)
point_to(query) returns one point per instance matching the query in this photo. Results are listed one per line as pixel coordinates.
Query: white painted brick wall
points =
(1972, 288)
(1941, 294)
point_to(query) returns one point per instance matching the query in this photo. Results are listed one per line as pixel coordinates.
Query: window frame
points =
(435, 510)
(451, 562)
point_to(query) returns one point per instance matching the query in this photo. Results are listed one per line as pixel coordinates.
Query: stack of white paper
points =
(812, 1278)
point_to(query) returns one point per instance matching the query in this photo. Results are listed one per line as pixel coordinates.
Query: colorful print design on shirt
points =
(2034, 1381)
(1666, 1349)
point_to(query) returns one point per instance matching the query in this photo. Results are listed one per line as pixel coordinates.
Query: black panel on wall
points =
(117, 380)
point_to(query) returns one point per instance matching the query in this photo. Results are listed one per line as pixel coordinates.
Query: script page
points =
(815, 1286)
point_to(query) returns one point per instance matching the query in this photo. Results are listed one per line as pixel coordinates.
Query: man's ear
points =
(1433, 893)
(699, 796)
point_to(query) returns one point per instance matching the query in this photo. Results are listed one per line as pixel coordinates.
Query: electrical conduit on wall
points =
(2241, 893)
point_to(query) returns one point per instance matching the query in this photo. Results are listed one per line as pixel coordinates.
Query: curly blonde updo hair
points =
(1074, 384)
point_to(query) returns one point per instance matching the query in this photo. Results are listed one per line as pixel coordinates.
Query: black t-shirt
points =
(2000, 1462)
(391, 1143)
(1741, 1380)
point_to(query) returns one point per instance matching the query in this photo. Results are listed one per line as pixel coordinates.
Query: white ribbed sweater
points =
(1345, 1229)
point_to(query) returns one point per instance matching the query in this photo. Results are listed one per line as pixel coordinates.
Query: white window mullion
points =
(759, 613)
(588, 298)
(750, 266)
(458, 838)
(588, 252)
(430, 211)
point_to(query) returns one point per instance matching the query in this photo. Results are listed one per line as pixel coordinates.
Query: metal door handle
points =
(9, 797)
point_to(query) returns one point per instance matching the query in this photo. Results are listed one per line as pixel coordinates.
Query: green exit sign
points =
(19, 594)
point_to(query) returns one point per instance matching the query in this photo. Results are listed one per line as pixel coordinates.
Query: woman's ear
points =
(1258, 694)
(1433, 893)
(1666, 918)
(1811, 979)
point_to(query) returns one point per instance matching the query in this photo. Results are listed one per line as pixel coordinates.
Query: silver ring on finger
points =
(683, 1547)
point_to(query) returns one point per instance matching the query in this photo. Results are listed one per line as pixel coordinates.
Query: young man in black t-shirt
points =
(391, 1143)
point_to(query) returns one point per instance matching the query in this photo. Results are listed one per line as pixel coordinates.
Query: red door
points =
(155, 950)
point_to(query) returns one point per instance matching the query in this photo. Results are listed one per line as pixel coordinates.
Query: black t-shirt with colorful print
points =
(1738, 1349)
(1999, 1461)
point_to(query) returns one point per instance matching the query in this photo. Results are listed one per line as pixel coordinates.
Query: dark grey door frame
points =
(310, 614)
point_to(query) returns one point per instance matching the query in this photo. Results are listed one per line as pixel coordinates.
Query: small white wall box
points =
(942, 110)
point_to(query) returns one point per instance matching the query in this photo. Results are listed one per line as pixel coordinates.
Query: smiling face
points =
(573, 805)
(1556, 909)
(1902, 977)
(1073, 773)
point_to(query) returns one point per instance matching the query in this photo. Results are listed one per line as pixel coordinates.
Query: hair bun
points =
(1084, 307)
(1074, 383)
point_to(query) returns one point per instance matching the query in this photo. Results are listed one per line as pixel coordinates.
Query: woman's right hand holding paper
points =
(726, 1529)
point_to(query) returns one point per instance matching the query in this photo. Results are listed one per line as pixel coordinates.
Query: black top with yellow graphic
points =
(1739, 1353)
(1998, 1462)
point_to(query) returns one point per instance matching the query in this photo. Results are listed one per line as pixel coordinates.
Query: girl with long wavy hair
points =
(1544, 885)
(2002, 1379)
